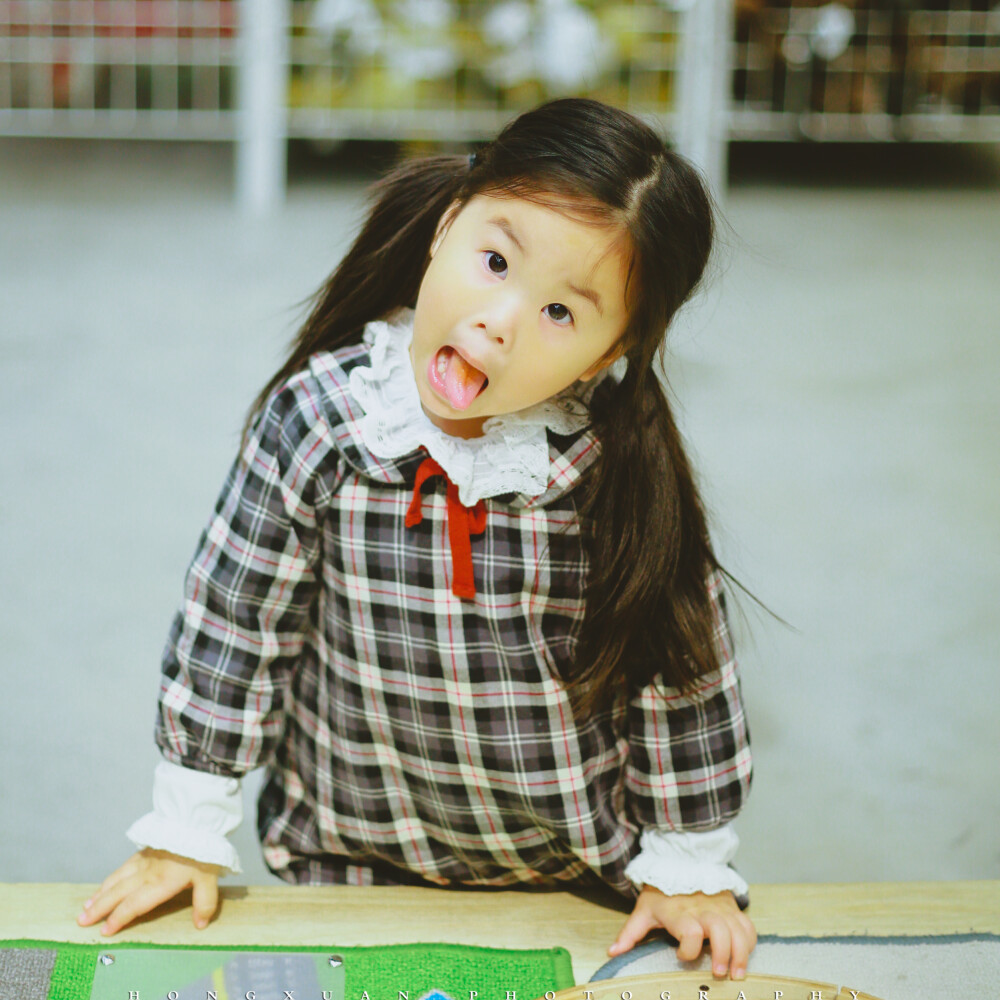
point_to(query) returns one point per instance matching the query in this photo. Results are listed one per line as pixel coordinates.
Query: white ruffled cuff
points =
(193, 812)
(680, 863)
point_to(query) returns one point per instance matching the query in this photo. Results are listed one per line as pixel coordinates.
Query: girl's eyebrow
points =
(507, 229)
(587, 293)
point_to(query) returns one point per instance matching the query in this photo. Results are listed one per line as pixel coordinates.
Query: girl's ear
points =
(444, 224)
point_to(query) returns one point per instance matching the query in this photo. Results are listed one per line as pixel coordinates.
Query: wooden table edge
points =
(349, 916)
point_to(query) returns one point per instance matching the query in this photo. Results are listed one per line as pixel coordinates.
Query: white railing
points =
(259, 72)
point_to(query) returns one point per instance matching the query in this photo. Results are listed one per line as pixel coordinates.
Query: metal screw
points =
(107, 959)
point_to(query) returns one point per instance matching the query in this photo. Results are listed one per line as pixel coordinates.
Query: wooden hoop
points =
(702, 986)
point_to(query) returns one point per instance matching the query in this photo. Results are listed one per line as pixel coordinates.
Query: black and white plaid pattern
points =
(412, 735)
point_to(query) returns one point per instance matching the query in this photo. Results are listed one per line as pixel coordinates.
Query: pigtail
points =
(648, 611)
(384, 266)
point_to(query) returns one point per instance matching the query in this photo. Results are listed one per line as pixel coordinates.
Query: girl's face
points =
(518, 302)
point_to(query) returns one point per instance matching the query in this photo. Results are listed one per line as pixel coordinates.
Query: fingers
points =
(744, 940)
(731, 939)
(205, 900)
(690, 934)
(124, 871)
(107, 897)
(144, 882)
(141, 900)
(720, 941)
(638, 925)
(693, 918)
(117, 903)
(113, 889)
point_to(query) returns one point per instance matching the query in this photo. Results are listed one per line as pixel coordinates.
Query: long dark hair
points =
(648, 611)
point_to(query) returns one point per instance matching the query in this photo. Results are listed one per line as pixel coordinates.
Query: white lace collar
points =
(511, 456)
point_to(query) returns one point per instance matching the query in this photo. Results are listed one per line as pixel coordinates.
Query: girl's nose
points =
(499, 320)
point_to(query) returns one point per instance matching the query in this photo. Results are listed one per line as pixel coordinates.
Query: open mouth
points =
(455, 379)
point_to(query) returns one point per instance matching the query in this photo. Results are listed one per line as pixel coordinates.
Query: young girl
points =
(458, 593)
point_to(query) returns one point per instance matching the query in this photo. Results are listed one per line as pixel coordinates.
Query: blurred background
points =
(177, 176)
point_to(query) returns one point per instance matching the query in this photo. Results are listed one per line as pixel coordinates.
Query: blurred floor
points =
(836, 381)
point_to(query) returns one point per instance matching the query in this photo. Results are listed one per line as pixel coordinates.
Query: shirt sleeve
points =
(248, 594)
(689, 764)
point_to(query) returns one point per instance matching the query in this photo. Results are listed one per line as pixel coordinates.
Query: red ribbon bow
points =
(463, 522)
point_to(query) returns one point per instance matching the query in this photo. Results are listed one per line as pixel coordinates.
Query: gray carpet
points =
(945, 967)
(25, 973)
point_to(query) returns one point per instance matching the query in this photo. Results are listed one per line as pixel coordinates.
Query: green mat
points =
(384, 971)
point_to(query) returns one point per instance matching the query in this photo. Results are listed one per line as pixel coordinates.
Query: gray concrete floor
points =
(837, 382)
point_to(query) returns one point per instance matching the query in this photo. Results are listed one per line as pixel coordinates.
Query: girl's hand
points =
(146, 880)
(691, 919)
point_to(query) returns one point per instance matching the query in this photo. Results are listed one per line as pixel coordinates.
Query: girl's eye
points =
(495, 262)
(558, 313)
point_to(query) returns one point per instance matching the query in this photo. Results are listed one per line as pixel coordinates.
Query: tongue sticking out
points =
(461, 380)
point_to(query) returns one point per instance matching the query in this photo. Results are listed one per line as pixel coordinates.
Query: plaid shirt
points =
(411, 735)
